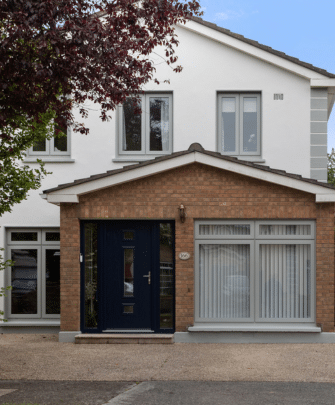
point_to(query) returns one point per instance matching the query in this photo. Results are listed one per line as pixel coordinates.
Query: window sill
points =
(255, 328)
(253, 159)
(31, 322)
(135, 159)
(49, 159)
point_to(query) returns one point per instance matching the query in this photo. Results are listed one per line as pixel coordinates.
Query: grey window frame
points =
(239, 97)
(41, 245)
(49, 148)
(145, 129)
(255, 241)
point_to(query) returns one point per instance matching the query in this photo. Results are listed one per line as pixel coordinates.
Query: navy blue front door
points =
(127, 276)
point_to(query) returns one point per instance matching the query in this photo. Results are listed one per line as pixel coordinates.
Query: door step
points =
(123, 338)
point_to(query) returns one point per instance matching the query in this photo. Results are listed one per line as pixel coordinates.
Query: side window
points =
(35, 275)
(239, 124)
(58, 146)
(145, 126)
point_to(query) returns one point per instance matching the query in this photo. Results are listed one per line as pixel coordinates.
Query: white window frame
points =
(239, 98)
(145, 129)
(41, 245)
(255, 240)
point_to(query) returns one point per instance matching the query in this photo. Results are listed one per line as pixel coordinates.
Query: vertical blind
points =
(285, 281)
(275, 286)
(224, 281)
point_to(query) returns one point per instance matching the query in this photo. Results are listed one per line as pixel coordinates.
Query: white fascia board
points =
(327, 196)
(60, 198)
(323, 82)
(71, 194)
(251, 50)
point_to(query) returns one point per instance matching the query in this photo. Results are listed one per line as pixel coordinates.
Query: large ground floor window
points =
(35, 275)
(255, 271)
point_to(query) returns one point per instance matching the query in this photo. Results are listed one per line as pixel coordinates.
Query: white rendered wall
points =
(209, 67)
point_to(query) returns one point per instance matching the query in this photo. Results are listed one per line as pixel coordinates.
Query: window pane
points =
(52, 281)
(132, 126)
(24, 281)
(224, 229)
(228, 124)
(52, 236)
(91, 276)
(128, 272)
(40, 146)
(250, 124)
(159, 124)
(224, 281)
(288, 230)
(166, 276)
(285, 281)
(24, 236)
(60, 143)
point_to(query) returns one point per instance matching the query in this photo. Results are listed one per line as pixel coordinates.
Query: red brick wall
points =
(206, 192)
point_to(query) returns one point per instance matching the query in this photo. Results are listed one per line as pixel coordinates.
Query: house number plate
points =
(184, 256)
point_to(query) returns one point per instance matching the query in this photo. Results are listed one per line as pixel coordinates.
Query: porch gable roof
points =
(70, 192)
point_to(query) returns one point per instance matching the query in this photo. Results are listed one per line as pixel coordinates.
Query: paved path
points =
(41, 357)
(166, 392)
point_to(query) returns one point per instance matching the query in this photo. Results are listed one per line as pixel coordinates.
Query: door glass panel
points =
(250, 124)
(285, 281)
(228, 124)
(91, 276)
(128, 272)
(128, 235)
(132, 126)
(52, 281)
(159, 123)
(24, 281)
(24, 236)
(224, 281)
(166, 276)
(128, 309)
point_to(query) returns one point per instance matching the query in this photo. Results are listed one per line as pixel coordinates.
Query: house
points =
(207, 215)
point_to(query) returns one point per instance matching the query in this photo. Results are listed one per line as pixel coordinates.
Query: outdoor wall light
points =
(182, 213)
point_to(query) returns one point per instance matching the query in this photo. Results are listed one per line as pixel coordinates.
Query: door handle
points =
(149, 277)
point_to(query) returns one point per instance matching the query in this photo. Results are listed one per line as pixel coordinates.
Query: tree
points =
(60, 47)
(331, 167)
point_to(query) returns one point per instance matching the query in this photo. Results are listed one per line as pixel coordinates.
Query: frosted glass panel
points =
(224, 281)
(249, 124)
(285, 230)
(128, 272)
(224, 230)
(285, 281)
(159, 124)
(228, 125)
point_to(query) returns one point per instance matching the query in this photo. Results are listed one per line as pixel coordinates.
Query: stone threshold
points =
(124, 338)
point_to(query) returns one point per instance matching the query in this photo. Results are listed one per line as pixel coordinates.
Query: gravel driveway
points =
(41, 357)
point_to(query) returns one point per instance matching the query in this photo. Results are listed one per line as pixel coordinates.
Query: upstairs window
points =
(145, 126)
(239, 124)
(57, 146)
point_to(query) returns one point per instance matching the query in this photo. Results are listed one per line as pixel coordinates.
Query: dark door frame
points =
(155, 276)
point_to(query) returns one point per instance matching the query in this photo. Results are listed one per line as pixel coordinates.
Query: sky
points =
(304, 29)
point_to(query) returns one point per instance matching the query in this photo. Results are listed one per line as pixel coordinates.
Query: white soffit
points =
(252, 50)
(72, 193)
